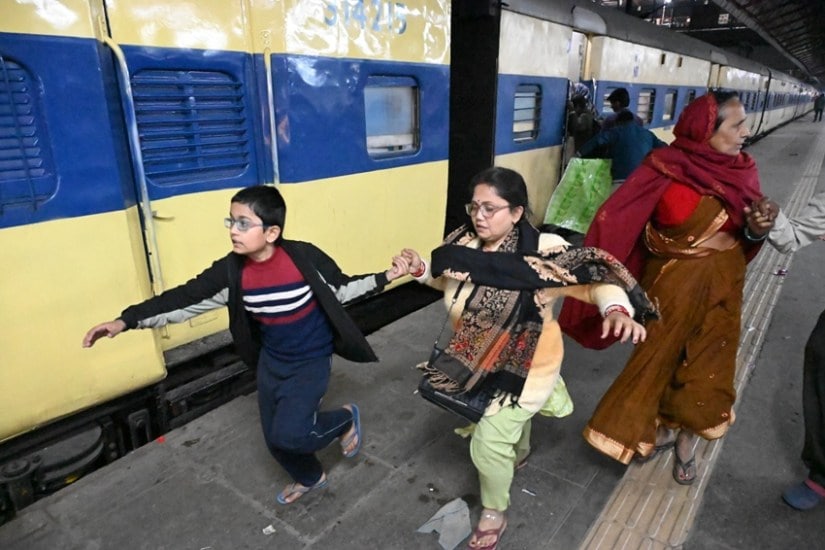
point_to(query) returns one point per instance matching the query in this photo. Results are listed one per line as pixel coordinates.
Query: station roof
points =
(796, 28)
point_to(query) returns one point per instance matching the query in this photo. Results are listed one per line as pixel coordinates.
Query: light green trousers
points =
(499, 443)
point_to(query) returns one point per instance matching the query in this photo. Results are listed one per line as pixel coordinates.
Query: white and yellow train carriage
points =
(128, 125)
(751, 81)
(516, 71)
(660, 82)
(785, 101)
(662, 71)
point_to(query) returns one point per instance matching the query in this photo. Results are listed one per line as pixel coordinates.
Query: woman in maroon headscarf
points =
(678, 223)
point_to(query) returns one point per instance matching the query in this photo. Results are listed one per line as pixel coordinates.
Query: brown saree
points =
(682, 375)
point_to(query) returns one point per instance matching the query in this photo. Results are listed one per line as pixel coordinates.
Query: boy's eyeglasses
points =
(242, 225)
(487, 209)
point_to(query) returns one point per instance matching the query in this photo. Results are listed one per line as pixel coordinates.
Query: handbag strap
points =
(449, 310)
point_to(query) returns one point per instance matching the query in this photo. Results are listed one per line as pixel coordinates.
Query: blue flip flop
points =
(356, 421)
(301, 491)
(802, 496)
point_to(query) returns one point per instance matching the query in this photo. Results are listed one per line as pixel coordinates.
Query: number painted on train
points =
(375, 15)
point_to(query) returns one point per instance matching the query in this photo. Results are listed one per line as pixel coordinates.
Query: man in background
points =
(620, 102)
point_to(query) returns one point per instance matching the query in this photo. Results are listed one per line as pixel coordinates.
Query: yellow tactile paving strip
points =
(648, 510)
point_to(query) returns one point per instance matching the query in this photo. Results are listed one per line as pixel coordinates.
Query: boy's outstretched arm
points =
(182, 315)
(113, 328)
(110, 329)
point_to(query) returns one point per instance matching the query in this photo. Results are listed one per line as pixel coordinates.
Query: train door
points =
(192, 105)
(768, 100)
(714, 76)
(578, 85)
(753, 107)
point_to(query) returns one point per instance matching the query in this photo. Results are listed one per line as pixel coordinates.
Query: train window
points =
(526, 112)
(690, 97)
(192, 125)
(670, 105)
(679, 61)
(606, 107)
(646, 104)
(391, 110)
(26, 168)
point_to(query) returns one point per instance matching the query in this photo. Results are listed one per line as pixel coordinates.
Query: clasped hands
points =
(760, 216)
(405, 263)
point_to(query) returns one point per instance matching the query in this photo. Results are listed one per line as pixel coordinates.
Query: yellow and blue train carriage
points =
(69, 228)
(128, 125)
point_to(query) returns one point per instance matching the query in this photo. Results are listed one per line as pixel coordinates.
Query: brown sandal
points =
(479, 534)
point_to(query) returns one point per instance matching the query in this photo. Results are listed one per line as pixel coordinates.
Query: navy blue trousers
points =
(289, 398)
(813, 403)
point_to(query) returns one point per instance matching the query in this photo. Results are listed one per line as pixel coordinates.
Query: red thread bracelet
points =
(421, 271)
(618, 308)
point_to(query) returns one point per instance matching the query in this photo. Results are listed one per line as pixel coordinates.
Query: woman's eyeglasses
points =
(242, 225)
(487, 209)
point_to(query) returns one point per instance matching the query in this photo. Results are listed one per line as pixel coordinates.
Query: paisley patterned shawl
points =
(497, 333)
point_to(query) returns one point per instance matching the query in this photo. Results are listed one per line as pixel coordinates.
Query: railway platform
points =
(211, 484)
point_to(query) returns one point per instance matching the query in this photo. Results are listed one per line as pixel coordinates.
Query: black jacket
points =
(320, 271)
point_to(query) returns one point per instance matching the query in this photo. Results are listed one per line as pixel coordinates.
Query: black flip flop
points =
(684, 468)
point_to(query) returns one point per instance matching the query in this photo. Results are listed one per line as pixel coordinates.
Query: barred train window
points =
(670, 105)
(192, 125)
(26, 167)
(647, 102)
(391, 110)
(526, 112)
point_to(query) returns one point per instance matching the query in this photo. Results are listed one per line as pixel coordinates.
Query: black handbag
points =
(469, 405)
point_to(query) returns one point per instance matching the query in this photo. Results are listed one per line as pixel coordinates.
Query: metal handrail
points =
(137, 164)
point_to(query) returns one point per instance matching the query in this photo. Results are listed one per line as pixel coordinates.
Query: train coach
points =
(126, 126)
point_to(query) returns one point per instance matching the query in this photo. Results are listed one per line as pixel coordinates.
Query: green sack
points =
(584, 186)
